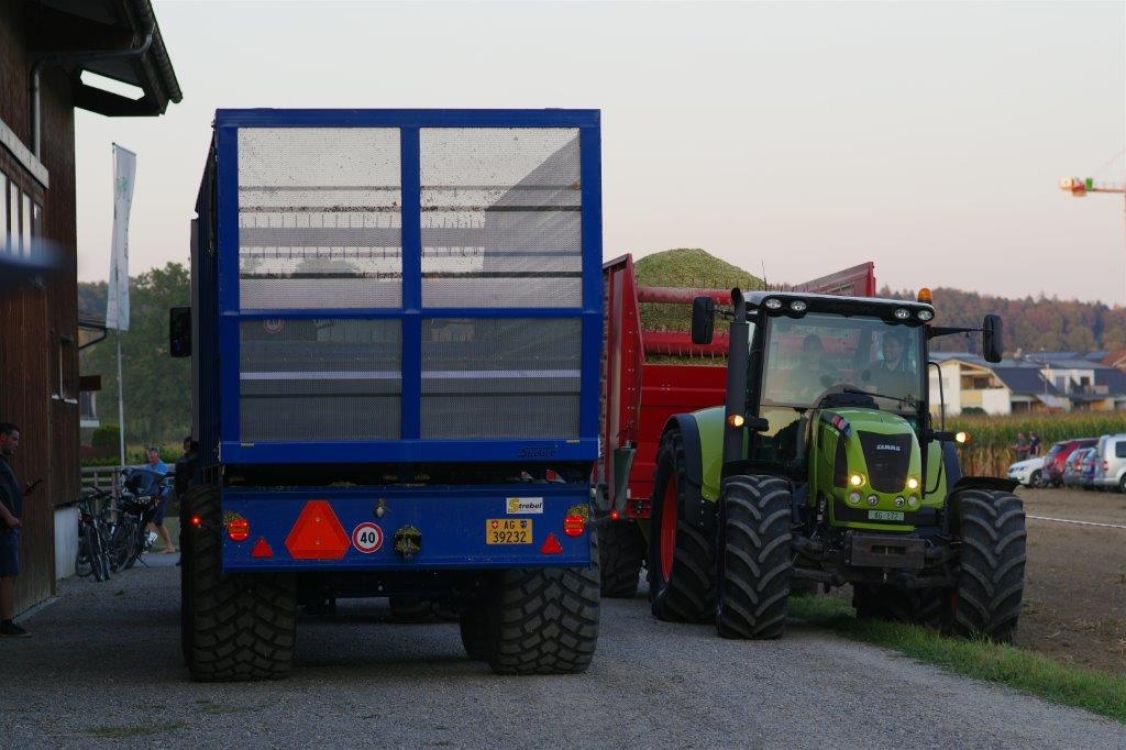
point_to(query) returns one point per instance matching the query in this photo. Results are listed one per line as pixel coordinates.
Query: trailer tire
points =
(623, 550)
(681, 556)
(474, 624)
(756, 563)
(239, 627)
(987, 600)
(544, 620)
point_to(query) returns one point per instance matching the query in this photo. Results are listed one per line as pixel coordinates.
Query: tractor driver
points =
(894, 375)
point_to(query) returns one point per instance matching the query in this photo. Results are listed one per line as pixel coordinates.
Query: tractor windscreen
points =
(819, 353)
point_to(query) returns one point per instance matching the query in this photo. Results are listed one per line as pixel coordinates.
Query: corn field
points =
(990, 453)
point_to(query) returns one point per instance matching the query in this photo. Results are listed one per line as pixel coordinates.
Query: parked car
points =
(1089, 466)
(1029, 472)
(1073, 467)
(1057, 456)
(1110, 470)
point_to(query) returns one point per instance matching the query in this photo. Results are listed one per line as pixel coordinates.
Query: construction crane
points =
(1080, 187)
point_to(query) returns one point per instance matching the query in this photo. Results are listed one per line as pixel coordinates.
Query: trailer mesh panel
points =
(500, 378)
(306, 380)
(319, 218)
(501, 217)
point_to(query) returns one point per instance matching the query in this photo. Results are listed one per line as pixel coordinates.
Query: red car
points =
(1056, 458)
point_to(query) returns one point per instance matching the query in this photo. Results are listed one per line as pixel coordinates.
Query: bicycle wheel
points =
(83, 562)
(93, 544)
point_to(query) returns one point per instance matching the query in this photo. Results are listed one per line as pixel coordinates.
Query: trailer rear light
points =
(196, 521)
(261, 548)
(551, 545)
(615, 515)
(574, 525)
(238, 529)
(735, 420)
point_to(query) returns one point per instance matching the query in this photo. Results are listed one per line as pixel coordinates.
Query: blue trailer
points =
(395, 333)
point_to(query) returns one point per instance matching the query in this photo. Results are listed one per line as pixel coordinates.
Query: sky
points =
(796, 137)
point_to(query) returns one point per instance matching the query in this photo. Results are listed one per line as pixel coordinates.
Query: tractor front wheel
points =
(681, 557)
(990, 587)
(756, 563)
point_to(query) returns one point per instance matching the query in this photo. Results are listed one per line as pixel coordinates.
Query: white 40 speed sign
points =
(367, 537)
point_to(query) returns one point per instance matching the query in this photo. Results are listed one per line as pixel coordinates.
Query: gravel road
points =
(103, 668)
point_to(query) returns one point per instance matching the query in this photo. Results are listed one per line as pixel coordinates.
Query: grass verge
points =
(1089, 689)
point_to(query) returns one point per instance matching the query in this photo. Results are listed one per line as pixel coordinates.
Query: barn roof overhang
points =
(118, 39)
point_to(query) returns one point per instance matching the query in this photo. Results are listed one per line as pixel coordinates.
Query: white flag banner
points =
(117, 300)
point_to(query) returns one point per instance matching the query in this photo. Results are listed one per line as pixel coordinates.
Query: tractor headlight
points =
(854, 498)
(899, 502)
(873, 500)
(773, 304)
(924, 315)
(913, 501)
(912, 483)
(798, 305)
(902, 313)
(856, 480)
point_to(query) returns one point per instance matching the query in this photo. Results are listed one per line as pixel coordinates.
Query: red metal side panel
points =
(667, 390)
(623, 353)
(858, 281)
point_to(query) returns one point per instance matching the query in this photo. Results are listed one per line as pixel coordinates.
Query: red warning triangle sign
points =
(317, 534)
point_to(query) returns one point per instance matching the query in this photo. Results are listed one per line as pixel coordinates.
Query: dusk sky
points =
(805, 137)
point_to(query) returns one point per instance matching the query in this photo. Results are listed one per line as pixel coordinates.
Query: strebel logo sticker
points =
(889, 447)
(524, 505)
(273, 325)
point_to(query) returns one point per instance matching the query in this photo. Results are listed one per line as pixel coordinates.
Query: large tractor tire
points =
(542, 620)
(681, 558)
(916, 606)
(237, 627)
(987, 599)
(623, 550)
(756, 561)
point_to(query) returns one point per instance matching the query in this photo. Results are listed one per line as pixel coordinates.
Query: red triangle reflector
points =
(317, 535)
(261, 548)
(551, 545)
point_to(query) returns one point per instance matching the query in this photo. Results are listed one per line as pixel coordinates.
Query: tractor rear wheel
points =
(237, 627)
(623, 550)
(681, 558)
(542, 620)
(987, 599)
(756, 563)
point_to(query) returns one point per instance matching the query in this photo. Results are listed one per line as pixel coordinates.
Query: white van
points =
(1110, 466)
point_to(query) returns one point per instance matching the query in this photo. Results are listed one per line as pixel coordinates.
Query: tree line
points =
(157, 387)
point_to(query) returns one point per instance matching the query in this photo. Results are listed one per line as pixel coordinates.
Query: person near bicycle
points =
(11, 511)
(156, 525)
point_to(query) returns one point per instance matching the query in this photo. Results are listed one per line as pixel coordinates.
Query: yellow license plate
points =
(508, 531)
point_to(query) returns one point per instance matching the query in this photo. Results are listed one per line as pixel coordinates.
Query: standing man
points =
(156, 525)
(11, 510)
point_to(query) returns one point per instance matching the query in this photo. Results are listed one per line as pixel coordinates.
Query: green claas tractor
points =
(824, 468)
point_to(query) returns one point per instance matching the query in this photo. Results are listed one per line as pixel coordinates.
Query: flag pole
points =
(120, 403)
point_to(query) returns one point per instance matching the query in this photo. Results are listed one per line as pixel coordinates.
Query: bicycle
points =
(92, 557)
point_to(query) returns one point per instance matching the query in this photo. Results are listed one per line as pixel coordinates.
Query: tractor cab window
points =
(805, 359)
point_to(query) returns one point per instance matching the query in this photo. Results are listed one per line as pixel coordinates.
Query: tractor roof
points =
(836, 304)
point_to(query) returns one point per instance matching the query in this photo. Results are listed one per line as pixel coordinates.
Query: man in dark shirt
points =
(11, 510)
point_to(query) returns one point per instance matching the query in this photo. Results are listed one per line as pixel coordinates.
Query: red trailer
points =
(639, 396)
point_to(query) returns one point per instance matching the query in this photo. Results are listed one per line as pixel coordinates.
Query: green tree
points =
(157, 387)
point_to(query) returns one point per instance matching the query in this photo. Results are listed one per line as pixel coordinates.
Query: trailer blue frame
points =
(453, 530)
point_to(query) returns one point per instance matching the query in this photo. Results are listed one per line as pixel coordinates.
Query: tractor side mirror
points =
(703, 320)
(991, 343)
(180, 331)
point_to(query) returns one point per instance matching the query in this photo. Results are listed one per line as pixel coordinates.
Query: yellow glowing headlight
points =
(856, 480)
(912, 483)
